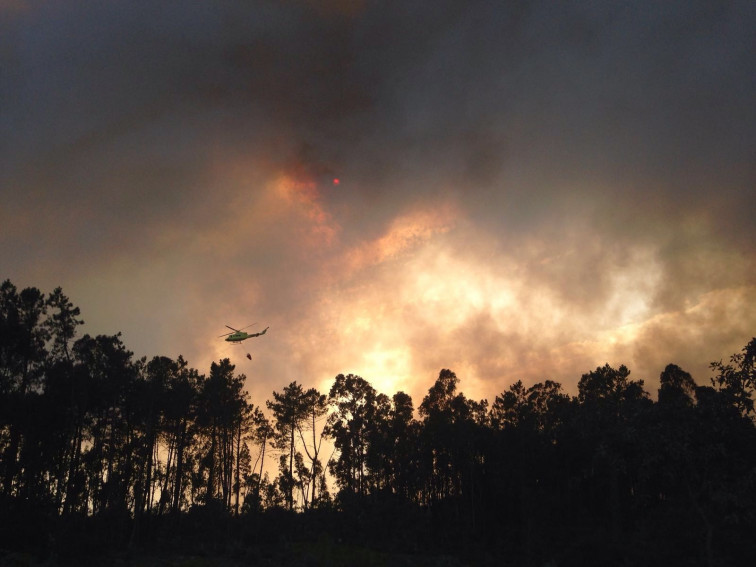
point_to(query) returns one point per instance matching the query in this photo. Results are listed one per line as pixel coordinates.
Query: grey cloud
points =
(571, 135)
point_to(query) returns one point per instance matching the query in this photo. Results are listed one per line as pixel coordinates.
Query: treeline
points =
(97, 445)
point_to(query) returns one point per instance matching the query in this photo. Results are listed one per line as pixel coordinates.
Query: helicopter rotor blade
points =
(236, 330)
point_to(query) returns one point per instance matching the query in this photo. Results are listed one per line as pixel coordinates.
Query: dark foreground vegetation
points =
(105, 459)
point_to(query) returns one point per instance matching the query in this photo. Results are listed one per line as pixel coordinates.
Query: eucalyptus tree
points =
(289, 412)
(222, 405)
(716, 466)
(527, 462)
(179, 412)
(737, 379)
(676, 386)
(262, 433)
(22, 359)
(65, 405)
(697, 464)
(23, 336)
(403, 436)
(109, 373)
(611, 408)
(61, 324)
(380, 447)
(315, 406)
(245, 425)
(150, 396)
(538, 410)
(354, 402)
(451, 440)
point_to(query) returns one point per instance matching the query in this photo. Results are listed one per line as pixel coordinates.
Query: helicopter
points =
(238, 335)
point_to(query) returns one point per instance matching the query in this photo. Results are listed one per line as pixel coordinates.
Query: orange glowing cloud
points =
(405, 233)
(304, 196)
(437, 303)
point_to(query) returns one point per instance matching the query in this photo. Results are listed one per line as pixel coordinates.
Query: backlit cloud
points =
(525, 191)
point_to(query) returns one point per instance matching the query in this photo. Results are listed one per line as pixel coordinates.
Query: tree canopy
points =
(610, 475)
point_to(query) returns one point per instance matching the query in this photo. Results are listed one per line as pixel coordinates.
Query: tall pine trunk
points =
(179, 473)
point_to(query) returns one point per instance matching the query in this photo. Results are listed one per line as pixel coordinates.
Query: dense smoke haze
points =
(515, 191)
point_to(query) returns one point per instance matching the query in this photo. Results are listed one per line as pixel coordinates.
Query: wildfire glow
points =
(304, 197)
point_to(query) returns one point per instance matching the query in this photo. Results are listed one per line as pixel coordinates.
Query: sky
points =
(520, 190)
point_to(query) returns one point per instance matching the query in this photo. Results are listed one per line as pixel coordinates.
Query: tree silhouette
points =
(610, 407)
(108, 462)
(452, 443)
(289, 411)
(222, 409)
(315, 405)
(676, 386)
(181, 398)
(22, 356)
(402, 438)
(61, 324)
(737, 380)
(99, 448)
(354, 403)
(262, 432)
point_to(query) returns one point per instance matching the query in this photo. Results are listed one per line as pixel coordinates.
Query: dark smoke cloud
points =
(174, 165)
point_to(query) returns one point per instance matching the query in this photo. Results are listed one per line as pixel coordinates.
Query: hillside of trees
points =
(106, 456)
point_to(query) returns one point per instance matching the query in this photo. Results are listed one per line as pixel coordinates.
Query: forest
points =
(105, 458)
